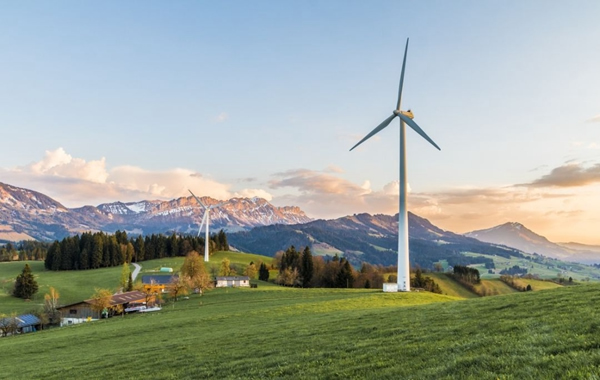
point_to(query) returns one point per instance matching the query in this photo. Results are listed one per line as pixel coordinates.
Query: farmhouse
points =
(158, 284)
(232, 281)
(83, 311)
(21, 324)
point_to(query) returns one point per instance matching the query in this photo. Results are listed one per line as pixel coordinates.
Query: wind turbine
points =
(406, 117)
(206, 219)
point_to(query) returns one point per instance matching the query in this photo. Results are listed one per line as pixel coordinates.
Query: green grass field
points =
(451, 287)
(549, 268)
(73, 286)
(275, 332)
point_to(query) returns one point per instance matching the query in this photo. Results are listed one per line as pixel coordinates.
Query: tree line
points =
(100, 250)
(24, 250)
(300, 268)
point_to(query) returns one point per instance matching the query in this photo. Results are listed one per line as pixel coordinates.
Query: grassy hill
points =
(275, 332)
(542, 266)
(75, 286)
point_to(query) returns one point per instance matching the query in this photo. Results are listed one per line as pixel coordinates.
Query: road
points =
(136, 271)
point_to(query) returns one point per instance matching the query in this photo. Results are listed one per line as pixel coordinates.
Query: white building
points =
(231, 281)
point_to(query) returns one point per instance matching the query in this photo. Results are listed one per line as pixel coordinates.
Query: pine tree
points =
(307, 267)
(25, 285)
(263, 272)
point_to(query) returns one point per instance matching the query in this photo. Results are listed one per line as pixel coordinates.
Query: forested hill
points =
(369, 238)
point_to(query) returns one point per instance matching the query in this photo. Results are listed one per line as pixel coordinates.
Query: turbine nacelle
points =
(408, 113)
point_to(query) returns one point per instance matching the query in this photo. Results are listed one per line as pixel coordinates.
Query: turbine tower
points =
(206, 219)
(406, 117)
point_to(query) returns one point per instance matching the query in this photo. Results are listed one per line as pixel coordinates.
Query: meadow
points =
(548, 268)
(276, 332)
(75, 286)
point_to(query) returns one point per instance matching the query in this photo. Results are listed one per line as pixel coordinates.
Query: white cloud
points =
(595, 119)
(76, 182)
(60, 164)
(251, 193)
(222, 117)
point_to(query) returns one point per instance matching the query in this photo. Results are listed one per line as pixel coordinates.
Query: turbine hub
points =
(408, 113)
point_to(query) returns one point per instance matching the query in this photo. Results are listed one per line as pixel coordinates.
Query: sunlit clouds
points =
(595, 119)
(569, 175)
(562, 202)
(222, 117)
(76, 182)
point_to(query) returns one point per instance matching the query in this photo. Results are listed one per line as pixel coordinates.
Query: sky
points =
(133, 100)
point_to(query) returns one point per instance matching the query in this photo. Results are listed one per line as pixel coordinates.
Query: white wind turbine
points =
(206, 220)
(406, 117)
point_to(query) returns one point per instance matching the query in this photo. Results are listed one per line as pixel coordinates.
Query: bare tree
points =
(51, 306)
(8, 324)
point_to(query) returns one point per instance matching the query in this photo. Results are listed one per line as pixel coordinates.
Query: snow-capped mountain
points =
(27, 214)
(518, 236)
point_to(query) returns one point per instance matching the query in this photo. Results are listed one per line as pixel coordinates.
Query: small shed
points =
(28, 323)
(20, 324)
(232, 281)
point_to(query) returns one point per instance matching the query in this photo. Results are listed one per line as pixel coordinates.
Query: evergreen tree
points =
(139, 249)
(263, 272)
(25, 285)
(97, 251)
(306, 270)
(173, 245)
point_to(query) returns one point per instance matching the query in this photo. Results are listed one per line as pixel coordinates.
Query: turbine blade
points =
(202, 224)
(219, 204)
(417, 129)
(197, 199)
(384, 124)
(402, 78)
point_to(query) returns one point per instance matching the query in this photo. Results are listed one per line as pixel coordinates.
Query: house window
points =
(73, 311)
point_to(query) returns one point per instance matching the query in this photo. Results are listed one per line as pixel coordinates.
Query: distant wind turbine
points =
(406, 117)
(206, 219)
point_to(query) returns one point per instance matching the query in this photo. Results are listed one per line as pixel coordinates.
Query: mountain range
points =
(255, 225)
(369, 238)
(518, 236)
(27, 214)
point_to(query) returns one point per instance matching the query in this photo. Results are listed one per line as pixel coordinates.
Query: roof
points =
(122, 298)
(28, 320)
(157, 280)
(24, 320)
(233, 278)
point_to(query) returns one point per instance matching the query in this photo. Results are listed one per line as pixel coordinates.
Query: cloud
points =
(60, 164)
(76, 182)
(325, 195)
(467, 209)
(252, 193)
(222, 117)
(569, 175)
(595, 119)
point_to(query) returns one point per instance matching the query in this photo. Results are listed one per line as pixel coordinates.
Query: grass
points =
(450, 287)
(274, 332)
(75, 286)
(548, 268)
(493, 288)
